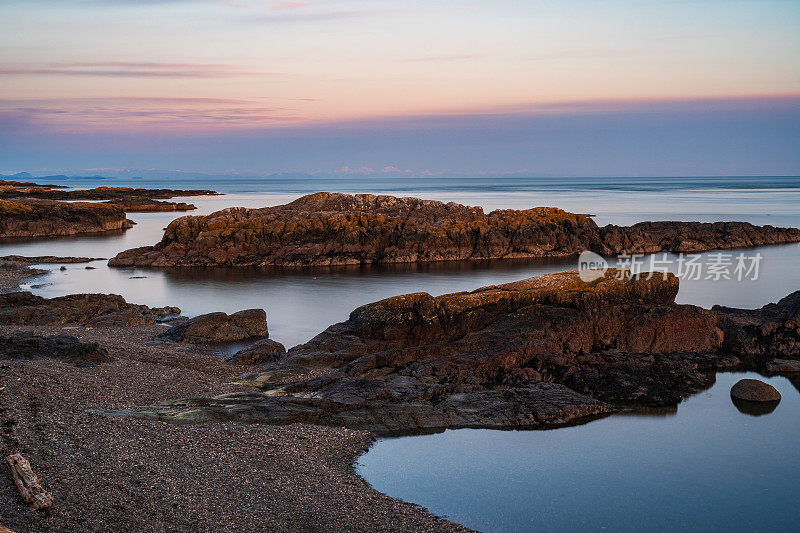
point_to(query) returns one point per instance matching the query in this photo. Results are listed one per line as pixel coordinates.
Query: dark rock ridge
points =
(24, 308)
(221, 327)
(43, 218)
(26, 345)
(754, 390)
(338, 229)
(540, 352)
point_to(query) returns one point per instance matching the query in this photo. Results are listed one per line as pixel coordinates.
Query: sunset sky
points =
(566, 87)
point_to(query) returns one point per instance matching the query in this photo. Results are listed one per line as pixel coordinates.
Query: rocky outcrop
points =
(42, 218)
(754, 390)
(540, 352)
(26, 345)
(147, 205)
(26, 309)
(221, 327)
(338, 229)
(258, 353)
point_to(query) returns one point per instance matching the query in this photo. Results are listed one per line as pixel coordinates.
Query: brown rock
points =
(339, 229)
(754, 390)
(263, 351)
(221, 327)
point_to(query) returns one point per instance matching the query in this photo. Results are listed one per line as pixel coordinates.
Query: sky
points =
(440, 87)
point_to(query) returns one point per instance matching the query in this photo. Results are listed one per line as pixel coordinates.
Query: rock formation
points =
(338, 229)
(26, 345)
(43, 218)
(26, 309)
(221, 327)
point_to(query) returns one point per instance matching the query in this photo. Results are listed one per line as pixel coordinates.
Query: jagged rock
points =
(263, 351)
(221, 327)
(26, 345)
(24, 308)
(43, 218)
(340, 229)
(754, 390)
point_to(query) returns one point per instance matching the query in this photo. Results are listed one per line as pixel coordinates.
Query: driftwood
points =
(28, 483)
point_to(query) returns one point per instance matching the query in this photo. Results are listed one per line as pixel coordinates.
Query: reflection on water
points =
(708, 467)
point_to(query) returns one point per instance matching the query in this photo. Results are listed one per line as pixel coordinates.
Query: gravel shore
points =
(121, 474)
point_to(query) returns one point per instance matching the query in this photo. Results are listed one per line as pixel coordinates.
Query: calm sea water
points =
(706, 467)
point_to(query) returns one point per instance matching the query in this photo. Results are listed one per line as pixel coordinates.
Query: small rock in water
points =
(88, 268)
(63, 267)
(753, 390)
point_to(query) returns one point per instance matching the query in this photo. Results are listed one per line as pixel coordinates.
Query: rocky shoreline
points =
(123, 475)
(325, 229)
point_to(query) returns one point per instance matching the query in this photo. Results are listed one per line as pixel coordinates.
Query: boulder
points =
(221, 327)
(754, 390)
(263, 351)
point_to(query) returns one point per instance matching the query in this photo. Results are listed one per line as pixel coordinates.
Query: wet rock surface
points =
(221, 327)
(26, 345)
(44, 218)
(24, 308)
(754, 390)
(325, 229)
